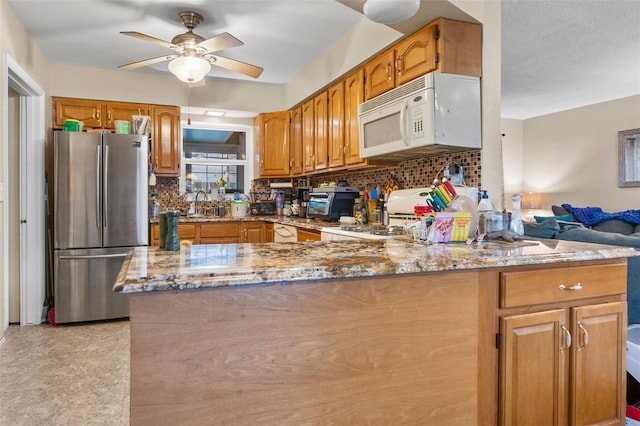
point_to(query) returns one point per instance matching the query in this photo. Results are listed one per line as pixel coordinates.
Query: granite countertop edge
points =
(149, 269)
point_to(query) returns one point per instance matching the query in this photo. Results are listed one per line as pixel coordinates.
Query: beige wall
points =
(16, 42)
(572, 156)
(512, 146)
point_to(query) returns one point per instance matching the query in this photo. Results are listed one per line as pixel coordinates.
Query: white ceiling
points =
(557, 54)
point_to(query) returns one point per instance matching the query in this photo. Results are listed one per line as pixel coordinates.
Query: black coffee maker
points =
(301, 193)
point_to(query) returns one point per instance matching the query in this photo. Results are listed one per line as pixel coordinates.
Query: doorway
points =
(24, 185)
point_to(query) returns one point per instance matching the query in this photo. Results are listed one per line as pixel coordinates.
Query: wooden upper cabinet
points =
(320, 105)
(444, 45)
(335, 124)
(89, 111)
(124, 111)
(308, 135)
(380, 75)
(165, 141)
(274, 144)
(416, 55)
(459, 47)
(353, 96)
(95, 113)
(296, 149)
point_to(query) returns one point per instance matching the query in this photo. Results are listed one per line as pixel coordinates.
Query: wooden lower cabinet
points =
(308, 235)
(565, 364)
(219, 233)
(216, 233)
(252, 232)
(268, 231)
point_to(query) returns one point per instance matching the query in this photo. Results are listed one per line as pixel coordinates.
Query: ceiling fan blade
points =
(144, 63)
(220, 42)
(141, 36)
(237, 66)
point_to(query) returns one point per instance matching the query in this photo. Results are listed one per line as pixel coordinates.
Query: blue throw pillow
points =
(563, 218)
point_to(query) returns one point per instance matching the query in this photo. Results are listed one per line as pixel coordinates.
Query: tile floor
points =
(65, 375)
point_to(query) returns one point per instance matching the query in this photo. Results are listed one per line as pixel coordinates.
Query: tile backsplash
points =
(410, 174)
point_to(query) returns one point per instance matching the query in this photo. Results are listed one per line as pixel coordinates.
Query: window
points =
(215, 153)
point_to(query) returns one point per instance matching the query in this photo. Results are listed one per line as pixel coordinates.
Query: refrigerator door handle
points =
(104, 186)
(98, 224)
(93, 256)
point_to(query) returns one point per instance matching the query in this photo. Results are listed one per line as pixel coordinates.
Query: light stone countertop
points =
(218, 265)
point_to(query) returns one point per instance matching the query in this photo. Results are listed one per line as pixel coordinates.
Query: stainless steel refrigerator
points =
(100, 213)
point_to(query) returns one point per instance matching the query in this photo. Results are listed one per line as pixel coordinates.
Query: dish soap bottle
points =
(155, 206)
(485, 209)
(516, 219)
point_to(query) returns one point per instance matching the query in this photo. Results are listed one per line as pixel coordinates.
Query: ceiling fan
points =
(194, 55)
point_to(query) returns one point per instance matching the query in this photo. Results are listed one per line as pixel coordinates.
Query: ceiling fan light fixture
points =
(189, 69)
(390, 11)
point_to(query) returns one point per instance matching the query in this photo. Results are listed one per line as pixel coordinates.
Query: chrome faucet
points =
(196, 200)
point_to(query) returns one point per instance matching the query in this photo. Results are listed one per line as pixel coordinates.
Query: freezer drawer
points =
(84, 279)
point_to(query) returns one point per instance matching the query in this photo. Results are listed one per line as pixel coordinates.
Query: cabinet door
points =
(268, 230)
(379, 75)
(296, 149)
(416, 55)
(90, 112)
(165, 144)
(308, 135)
(599, 373)
(459, 47)
(124, 111)
(187, 232)
(320, 106)
(307, 235)
(154, 230)
(335, 125)
(219, 233)
(533, 369)
(274, 144)
(252, 233)
(353, 96)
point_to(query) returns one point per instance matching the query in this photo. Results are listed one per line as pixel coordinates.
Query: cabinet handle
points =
(585, 335)
(109, 116)
(388, 71)
(344, 149)
(575, 287)
(399, 65)
(567, 337)
(96, 114)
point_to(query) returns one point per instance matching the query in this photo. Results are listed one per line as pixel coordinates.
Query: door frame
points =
(32, 189)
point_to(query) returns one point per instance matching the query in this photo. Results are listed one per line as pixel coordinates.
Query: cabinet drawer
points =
(219, 230)
(187, 231)
(546, 286)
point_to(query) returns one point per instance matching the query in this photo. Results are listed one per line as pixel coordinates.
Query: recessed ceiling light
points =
(212, 113)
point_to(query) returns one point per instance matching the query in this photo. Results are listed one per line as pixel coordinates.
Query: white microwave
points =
(433, 113)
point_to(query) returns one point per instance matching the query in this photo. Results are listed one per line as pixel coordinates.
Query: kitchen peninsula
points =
(390, 332)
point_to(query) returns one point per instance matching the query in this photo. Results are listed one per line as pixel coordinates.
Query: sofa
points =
(565, 226)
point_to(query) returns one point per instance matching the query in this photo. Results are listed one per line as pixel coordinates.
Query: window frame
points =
(203, 125)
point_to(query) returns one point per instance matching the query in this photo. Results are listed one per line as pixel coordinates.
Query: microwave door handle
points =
(404, 122)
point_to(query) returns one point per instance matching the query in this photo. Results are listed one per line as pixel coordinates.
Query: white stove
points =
(400, 212)
(338, 233)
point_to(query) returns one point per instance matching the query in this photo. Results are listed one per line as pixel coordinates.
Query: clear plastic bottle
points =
(516, 225)
(485, 209)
